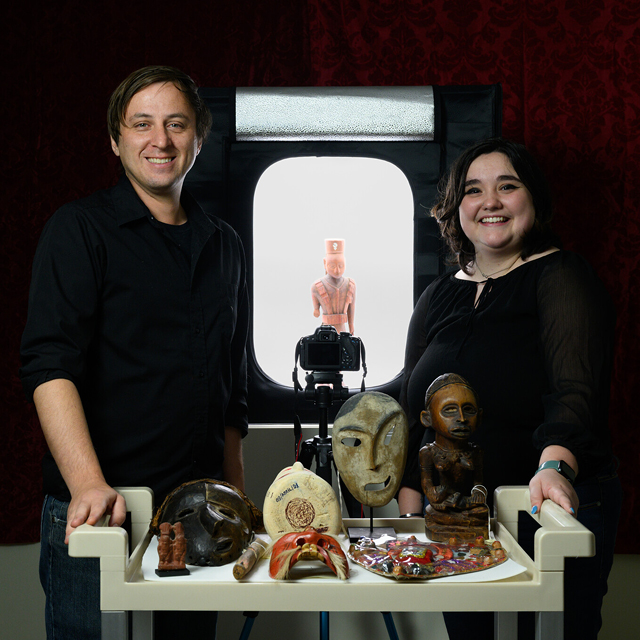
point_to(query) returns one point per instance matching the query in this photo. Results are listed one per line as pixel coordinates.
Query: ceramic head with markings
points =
(370, 441)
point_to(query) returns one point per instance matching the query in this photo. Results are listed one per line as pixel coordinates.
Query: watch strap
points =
(561, 467)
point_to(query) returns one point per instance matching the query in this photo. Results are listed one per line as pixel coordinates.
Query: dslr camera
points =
(328, 350)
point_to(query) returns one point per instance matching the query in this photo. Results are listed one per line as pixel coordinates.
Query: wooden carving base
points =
(169, 573)
(440, 526)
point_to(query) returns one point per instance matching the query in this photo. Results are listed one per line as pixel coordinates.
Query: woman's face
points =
(496, 211)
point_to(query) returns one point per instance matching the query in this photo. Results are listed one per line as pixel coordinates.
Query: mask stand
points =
(377, 534)
(320, 448)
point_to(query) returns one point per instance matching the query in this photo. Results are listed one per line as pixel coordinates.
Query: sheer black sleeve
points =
(576, 333)
(416, 345)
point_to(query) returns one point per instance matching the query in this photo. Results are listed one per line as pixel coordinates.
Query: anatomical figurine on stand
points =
(451, 467)
(335, 294)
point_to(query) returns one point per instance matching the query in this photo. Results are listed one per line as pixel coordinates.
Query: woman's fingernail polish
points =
(534, 510)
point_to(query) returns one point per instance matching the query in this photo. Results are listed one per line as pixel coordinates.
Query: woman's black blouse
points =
(537, 348)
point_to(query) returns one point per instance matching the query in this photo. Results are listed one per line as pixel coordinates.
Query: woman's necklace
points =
(488, 275)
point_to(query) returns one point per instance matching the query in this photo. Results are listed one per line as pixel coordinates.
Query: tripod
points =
(320, 446)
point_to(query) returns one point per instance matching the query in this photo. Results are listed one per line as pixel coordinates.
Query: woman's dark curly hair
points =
(451, 191)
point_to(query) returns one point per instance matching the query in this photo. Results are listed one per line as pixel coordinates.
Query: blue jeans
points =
(72, 590)
(585, 579)
(71, 585)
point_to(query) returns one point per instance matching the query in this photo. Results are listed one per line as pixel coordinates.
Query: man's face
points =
(158, 142)
(370, 440)
(453, 412)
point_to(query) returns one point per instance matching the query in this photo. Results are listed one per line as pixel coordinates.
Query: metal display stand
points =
(123, 588)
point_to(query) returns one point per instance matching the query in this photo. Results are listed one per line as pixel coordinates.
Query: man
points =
(134, 348)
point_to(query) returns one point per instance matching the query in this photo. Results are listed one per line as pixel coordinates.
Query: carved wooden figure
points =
(451, 467)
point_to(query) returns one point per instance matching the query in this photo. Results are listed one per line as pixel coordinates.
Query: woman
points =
(530, 327)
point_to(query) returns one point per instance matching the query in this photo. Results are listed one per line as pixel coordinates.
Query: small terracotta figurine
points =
(165, 551)
(179, 545)
(451, 467)
(334, 293)
(171, 551)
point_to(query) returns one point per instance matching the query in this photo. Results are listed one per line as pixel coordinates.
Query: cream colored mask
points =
(370, 440)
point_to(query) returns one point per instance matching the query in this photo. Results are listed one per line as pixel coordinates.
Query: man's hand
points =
(65, 428)
(89, 504)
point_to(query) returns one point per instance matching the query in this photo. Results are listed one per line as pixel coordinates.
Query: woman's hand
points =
(549, 484)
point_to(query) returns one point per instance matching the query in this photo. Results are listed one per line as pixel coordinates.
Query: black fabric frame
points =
(226, 173)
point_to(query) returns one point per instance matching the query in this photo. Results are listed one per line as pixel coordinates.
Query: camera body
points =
(328, 350)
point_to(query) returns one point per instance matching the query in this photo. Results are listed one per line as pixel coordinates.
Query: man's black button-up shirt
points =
(152, 336)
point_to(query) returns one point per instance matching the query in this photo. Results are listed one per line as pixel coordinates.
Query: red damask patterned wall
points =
(569, 71)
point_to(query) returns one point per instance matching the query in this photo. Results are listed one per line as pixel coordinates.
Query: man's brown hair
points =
(141, 79)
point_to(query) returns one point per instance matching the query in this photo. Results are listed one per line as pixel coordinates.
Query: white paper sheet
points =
(315, 570)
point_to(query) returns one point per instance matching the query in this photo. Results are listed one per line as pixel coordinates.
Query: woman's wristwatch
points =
(561, 467)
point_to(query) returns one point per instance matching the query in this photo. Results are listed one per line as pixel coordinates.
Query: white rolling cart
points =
(127, 588)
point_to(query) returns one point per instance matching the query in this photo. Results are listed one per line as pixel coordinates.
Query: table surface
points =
(128, 581)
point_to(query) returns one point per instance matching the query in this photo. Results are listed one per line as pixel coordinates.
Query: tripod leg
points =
(391, 627)
(324, 625)
(248, 623)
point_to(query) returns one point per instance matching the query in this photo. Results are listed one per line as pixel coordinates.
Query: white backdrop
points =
(298, 203)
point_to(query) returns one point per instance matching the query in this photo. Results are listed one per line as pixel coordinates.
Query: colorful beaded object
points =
(410, 559)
